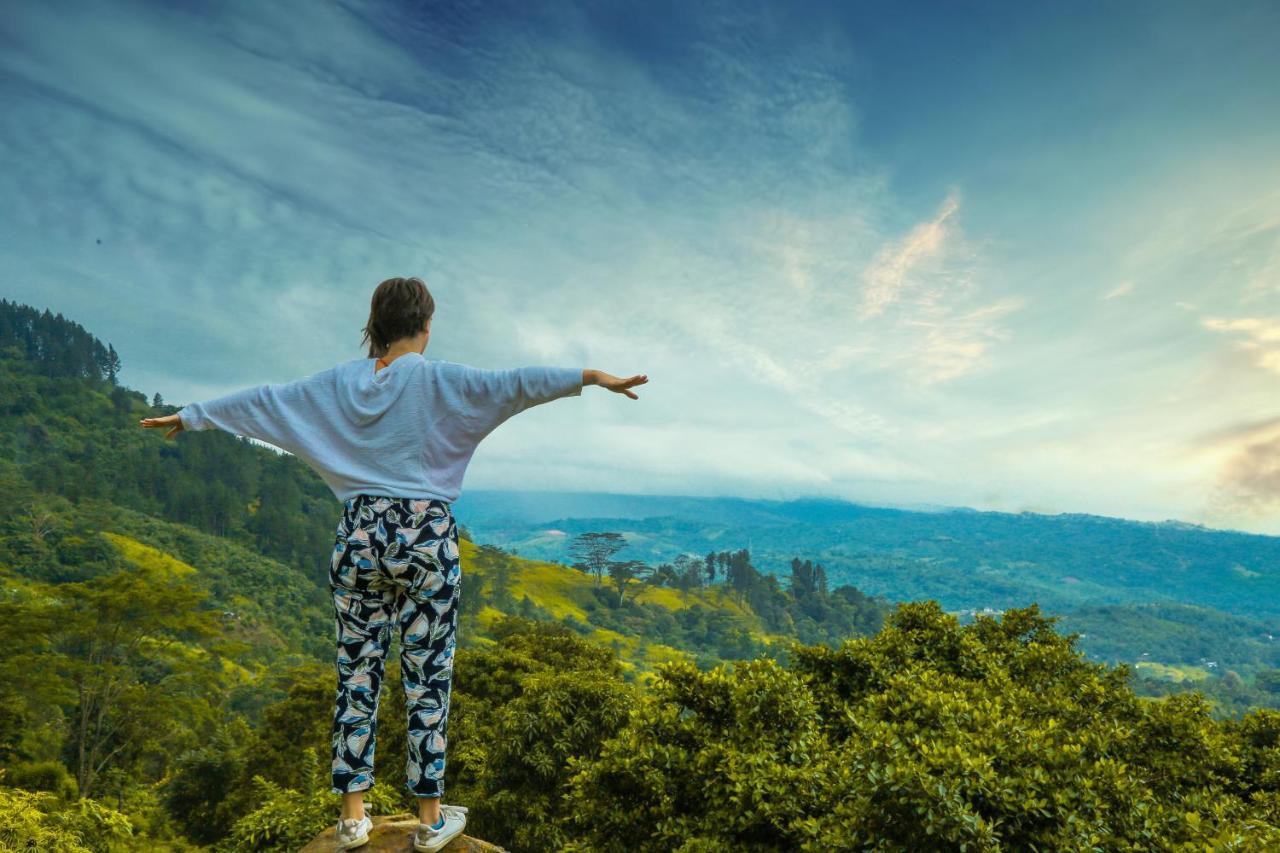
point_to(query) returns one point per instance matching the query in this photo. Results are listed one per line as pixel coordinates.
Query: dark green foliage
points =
(53, 344)
(521, 712)
(196, 794)
(1173, 633)
(997, 735)
(50, 776)
(591, 552)
(806, 611)
(284, 819)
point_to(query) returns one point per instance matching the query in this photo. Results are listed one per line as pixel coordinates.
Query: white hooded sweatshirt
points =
(408, 430)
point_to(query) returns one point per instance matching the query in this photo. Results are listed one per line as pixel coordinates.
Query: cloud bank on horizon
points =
(1010, 257)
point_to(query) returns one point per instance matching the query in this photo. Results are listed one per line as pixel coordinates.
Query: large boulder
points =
(394, 834)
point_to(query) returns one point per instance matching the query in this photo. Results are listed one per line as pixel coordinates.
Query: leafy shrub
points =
(37, 820)
(49, 776)
(200, 780)
(520, 712)
(287, 818)
(558, 717)
(997, 735)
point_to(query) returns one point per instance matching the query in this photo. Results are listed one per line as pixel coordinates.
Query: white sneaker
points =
(428, 840)
(353, 832)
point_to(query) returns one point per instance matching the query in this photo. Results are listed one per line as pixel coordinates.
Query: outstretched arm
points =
(266, 412)
(258, 412)
(487, 398)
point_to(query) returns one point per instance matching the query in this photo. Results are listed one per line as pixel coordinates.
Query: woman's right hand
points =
(617, 383)
(171, 422)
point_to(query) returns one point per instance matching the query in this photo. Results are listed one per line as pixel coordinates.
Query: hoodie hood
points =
(365, 394)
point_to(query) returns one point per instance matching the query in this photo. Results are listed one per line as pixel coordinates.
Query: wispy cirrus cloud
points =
(900, 265)
(924, 287)
(1124, 288)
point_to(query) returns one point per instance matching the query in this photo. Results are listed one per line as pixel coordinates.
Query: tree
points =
(664, 575)
(197, 789)
(807, 579)
(622, 572)
(688, 573)
(111, 364)
(1268, 680)
(592, 551)
(560, 720)
(121, 643)
(690, 570)
(740, 575)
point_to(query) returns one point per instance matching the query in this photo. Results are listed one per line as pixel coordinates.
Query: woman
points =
(392, 434)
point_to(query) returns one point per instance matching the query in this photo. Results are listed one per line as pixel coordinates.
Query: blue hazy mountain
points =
(966, 559)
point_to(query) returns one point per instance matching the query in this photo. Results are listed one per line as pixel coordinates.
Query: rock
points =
(394, 834)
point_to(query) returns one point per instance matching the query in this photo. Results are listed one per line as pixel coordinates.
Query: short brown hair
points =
(400, 308)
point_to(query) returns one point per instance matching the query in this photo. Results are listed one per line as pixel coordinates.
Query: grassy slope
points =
(281, 615)
(565, 592)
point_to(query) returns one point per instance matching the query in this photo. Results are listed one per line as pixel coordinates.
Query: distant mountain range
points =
(1074, 565)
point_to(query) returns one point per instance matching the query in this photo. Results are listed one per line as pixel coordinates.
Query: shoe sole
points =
(351, 845)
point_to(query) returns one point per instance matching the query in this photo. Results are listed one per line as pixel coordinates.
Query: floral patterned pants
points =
(395, 563)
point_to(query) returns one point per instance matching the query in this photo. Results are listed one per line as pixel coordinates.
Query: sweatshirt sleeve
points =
(277, 413)
(489, 397)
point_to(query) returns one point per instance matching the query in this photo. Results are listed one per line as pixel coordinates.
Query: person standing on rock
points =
(391, 435)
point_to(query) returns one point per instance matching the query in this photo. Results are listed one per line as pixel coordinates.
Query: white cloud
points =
(1261, 337)
(895, 266)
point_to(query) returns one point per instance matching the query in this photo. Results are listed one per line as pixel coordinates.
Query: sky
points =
(1011, 256)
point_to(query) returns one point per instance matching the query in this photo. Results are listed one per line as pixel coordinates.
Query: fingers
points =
(166, 421)
(622, 386)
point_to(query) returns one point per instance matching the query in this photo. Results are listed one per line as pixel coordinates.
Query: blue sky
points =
(1013, 256)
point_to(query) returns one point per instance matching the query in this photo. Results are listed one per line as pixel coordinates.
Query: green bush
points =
(38, 820)
(196, 794)
(48, 775)
(559, 717)
(287, 819)
(928, 736)
(520, 712)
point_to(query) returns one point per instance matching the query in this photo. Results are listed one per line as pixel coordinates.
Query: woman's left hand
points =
(166, 421)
